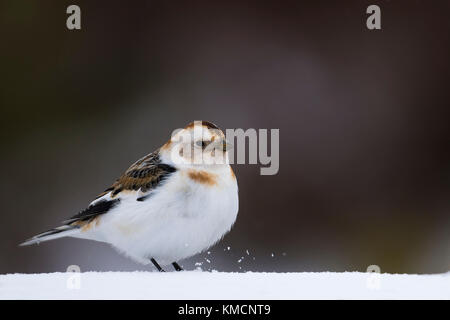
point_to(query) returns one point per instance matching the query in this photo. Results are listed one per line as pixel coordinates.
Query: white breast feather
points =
(178, 220)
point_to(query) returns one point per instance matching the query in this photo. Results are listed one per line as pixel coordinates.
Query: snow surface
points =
(219, 285)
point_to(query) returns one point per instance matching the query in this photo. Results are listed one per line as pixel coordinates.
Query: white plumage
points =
(185, 213)
(180, 219)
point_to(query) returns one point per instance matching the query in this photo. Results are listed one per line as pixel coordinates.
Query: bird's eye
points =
(202, 143)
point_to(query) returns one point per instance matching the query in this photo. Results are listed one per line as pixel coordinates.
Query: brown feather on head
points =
(206, 124)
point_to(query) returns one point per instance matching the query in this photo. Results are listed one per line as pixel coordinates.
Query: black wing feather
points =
(145, 174)
(94, 210)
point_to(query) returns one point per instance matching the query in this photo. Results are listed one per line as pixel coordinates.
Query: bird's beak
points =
(226, 145)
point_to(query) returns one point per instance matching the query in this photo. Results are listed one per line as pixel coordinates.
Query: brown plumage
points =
(232, 173)
(206, 124)
(86, 225)
(143, 175)
(203, 177)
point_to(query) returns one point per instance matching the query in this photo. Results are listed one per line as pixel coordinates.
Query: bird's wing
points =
(144, 175)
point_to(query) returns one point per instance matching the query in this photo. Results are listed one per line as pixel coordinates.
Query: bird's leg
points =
(157, 265)
(177, 266)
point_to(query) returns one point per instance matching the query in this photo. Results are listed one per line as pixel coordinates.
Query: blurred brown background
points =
(363, 116)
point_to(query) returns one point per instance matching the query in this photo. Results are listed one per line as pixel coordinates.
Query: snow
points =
(220, 285)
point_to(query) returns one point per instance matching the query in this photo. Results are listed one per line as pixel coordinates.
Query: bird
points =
(169, 205)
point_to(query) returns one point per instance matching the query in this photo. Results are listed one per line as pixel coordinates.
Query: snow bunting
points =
(168, 206)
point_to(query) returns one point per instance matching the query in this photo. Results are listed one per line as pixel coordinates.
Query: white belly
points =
(179, 220)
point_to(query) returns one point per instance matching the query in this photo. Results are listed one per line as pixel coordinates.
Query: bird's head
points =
(200, 144)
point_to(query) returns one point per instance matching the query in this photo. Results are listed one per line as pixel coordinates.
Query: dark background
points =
(363, 116)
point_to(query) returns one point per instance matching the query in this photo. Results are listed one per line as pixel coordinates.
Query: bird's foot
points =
(157, 265)
(177, 266)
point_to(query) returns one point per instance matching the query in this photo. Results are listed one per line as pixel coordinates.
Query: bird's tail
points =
(59, 232)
